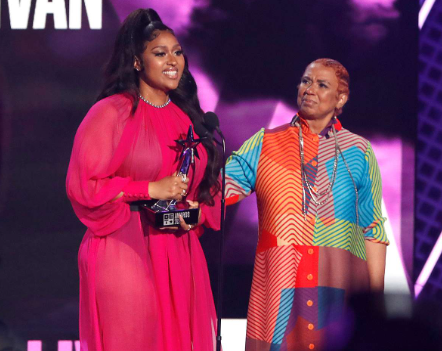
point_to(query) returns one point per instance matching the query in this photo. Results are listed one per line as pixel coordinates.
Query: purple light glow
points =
(281, 115)
(375, 8)
(174, 13)
(389, 156)
(207, 92)
(365, 12)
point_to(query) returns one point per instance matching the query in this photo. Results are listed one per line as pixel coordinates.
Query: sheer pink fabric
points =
(140, 288)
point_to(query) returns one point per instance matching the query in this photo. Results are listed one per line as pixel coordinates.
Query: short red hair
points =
(342, 75)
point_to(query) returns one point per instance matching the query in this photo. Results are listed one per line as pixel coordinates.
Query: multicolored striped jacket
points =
(305, 265)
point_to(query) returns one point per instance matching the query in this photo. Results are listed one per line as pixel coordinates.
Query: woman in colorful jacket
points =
(321, 235)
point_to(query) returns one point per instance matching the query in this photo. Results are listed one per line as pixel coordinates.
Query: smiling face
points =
(318, 95)
(161, 64)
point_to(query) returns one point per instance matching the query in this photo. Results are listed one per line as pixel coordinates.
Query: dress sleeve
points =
(211, 215)
(241, 169)
(99, 148)
(370, 200)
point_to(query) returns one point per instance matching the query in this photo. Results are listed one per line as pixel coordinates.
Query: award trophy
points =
(164, 213)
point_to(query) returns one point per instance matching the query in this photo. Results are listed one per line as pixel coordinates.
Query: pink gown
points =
(140, 288)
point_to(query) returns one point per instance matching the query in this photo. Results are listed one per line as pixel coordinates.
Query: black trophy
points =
(164, 213)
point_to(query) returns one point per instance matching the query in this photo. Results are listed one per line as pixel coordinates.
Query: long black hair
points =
(144, 25)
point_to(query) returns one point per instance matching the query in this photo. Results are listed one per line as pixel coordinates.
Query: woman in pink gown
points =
(143, 288)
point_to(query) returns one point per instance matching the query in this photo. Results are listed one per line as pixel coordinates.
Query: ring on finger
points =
(183, 192)
(189, 227)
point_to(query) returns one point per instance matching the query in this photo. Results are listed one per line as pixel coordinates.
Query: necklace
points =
(307, 187)
(315, 195)
(151, 104)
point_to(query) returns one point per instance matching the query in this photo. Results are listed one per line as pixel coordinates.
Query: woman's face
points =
(318, 93)
(162, 62)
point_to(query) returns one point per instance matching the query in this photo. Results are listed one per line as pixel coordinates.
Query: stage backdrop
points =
(247, 57)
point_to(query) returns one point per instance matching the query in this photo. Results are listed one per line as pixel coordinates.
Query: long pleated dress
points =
(306, 266)
(141, 289)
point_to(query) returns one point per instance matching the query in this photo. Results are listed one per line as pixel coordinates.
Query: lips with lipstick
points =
(171, 73)
(308, 101)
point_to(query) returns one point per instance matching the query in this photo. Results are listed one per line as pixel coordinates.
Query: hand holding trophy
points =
(164, 213)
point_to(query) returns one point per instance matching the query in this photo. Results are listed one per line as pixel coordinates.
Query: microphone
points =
(201, 130)
(211, 121)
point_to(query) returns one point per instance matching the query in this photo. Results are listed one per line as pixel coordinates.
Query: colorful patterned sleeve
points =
(241, 169)
(370, 200)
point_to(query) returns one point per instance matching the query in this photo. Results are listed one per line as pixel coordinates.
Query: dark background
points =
(253, 50)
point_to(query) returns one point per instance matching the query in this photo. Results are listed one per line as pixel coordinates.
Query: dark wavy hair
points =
(140, 27)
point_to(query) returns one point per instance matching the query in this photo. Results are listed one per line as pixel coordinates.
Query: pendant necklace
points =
(321, 198)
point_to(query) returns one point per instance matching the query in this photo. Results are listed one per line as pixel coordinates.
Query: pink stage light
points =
(34, 345)
(391, 179)
(207, 92)
(177, 14)
(283, 114)
(65, 345)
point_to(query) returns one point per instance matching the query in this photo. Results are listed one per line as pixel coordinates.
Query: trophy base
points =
(171, 218)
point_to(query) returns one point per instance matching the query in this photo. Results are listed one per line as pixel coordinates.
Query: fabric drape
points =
(140, 288)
